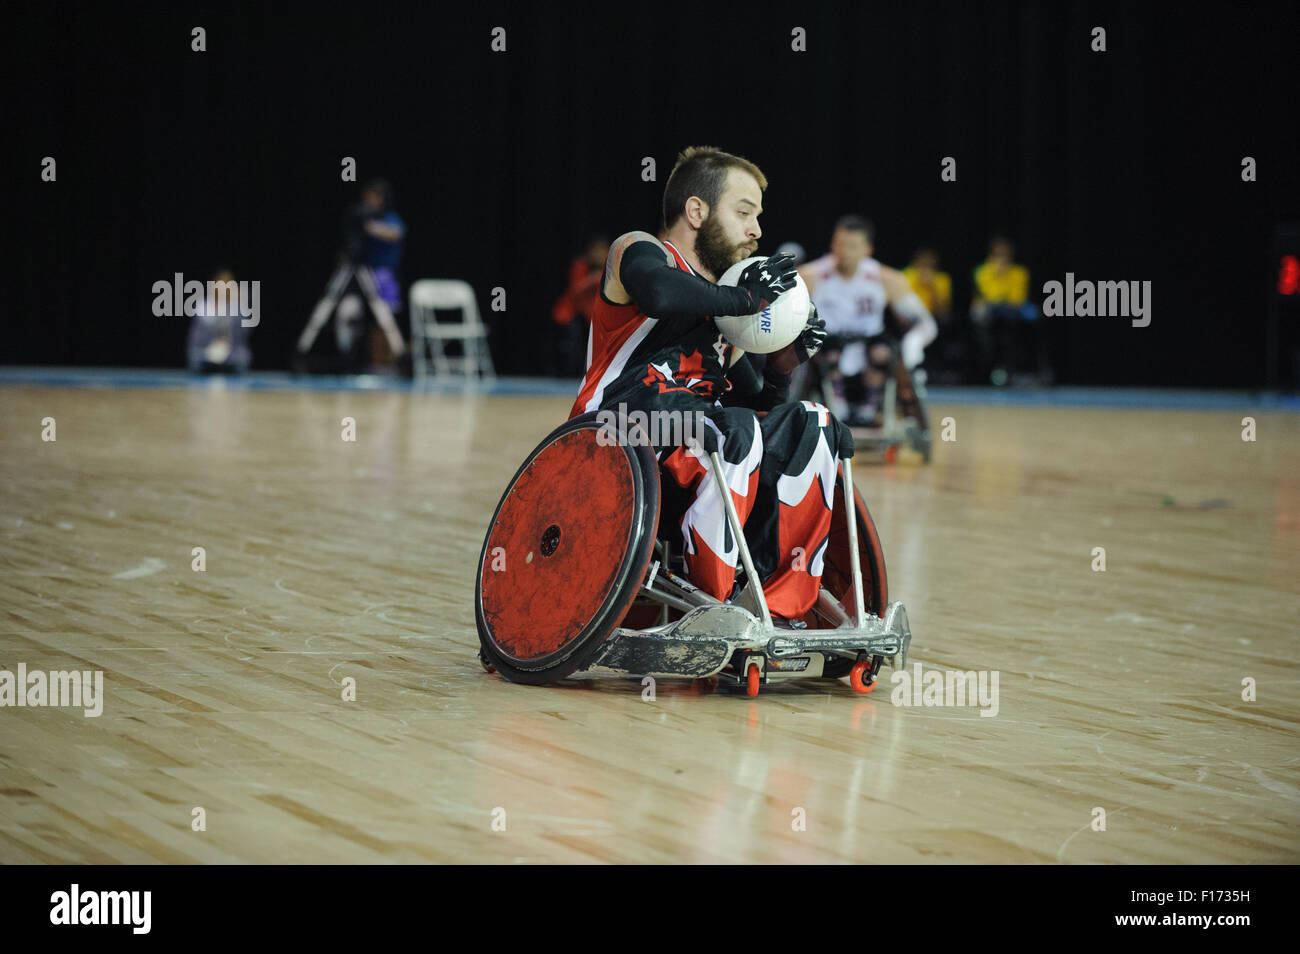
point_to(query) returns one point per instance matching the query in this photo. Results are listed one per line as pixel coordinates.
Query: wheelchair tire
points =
(837, 572)
(565, 554)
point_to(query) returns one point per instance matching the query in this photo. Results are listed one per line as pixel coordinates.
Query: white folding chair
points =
(429, 336)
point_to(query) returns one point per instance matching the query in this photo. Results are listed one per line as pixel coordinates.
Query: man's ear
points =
(697, 210)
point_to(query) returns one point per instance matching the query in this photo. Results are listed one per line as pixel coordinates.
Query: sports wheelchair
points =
(574, 576)
(904, 417)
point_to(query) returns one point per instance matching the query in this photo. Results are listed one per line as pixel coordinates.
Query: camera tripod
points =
(343, 275)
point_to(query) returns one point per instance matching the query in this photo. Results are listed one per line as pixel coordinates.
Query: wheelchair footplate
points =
(730, 642)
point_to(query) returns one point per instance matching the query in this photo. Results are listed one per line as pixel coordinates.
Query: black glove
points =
(812, 337)
(767, 279)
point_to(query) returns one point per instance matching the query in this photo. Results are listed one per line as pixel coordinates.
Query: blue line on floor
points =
(145, 378)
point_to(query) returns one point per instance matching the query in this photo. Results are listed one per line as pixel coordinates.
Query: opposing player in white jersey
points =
(851, 291)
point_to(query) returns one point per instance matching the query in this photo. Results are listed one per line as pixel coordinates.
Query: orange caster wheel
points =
(752, 677)
(891, 457)
(859, 670)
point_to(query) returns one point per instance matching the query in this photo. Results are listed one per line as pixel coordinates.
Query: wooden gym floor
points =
(1119, 691)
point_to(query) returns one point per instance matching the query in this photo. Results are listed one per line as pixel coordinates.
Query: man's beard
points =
(715, 251)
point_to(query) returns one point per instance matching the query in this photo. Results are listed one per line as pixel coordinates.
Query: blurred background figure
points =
(218, 340)
(373, 238)
(852, 292)
(381, 236)
(572, 311)
(1005, 321)
(934, 288)
(845, 285)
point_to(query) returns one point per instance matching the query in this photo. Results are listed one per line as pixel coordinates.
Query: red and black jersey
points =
(780, 469)
(675, 360)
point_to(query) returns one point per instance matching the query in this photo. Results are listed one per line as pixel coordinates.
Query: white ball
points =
(775, 326)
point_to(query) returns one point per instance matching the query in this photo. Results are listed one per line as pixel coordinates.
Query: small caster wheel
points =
(752, 677)
(891, 454)
(487, 666)
(856, 674)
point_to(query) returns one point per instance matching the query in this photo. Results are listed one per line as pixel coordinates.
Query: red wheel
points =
(855, 677)
(891, 454)
(752, 678)
(559, 569)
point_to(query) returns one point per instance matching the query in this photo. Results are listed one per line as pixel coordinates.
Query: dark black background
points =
(1116, 166)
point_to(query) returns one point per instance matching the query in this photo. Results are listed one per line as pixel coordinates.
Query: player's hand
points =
(766, 280)
(812, 337)
(912, 348)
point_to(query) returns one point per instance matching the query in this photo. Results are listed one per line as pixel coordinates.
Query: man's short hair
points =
(702, 171)
(856, 223)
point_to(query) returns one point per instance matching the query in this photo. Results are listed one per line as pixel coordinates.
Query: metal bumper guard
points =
(703, 642)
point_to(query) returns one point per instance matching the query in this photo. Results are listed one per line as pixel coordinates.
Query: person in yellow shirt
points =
(1004, 319)
(932, 286)
(1000, 281)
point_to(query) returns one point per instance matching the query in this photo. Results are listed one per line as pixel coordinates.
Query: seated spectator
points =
(218, 340)
(572, 311)
(932, 286)
(1003, 317)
